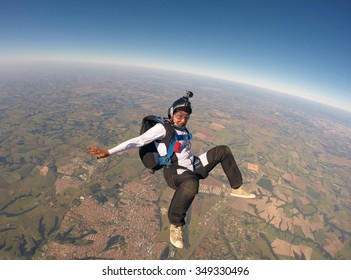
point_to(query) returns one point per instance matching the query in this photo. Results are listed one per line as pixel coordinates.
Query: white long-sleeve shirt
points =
(158, 132)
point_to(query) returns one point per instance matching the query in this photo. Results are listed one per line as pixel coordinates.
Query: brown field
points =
(65, 182)
(284, 248)
(43, 170)
(221, 114)
(341, 161)
(252, 167)
(217, 126)
(204, 134)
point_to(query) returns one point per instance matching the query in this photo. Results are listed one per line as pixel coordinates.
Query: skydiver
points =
(184, 170)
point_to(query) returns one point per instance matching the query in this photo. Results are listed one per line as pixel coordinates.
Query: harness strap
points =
(167, 160)
(188, 136)
(158, 118)
(197, 163)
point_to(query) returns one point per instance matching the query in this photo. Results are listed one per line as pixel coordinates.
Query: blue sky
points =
(297, 47)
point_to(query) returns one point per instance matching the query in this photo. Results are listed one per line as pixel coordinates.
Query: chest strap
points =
(183, 137)
(167, 159)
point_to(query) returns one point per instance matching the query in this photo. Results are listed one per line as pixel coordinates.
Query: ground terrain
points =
(59, 202)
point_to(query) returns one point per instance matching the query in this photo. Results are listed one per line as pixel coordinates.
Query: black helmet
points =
(182, 103)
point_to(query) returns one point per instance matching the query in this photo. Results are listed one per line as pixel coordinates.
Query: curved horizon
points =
(285, 90)
(299, 48)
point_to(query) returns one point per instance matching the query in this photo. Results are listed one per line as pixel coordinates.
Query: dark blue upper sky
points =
(297, 47)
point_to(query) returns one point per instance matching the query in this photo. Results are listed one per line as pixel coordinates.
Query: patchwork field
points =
(59, 202)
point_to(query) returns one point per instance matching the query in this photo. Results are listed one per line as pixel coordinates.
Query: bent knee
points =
(224, 149)
(190, 187)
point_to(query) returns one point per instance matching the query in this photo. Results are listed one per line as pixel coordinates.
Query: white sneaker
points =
(240, 192)
(176, 236)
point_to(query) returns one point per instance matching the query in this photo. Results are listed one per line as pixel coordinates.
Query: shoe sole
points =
(242, 196)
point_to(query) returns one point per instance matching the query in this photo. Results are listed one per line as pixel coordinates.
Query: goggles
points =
(181, 116)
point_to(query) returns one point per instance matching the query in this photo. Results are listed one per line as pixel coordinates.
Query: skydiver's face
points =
(181, 118)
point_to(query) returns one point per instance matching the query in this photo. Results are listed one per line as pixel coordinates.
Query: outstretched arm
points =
(157, 132)
(99, 152)
(154, 133)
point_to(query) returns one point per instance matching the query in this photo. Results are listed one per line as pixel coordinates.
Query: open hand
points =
(99, 152)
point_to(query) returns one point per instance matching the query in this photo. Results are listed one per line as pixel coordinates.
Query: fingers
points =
(94, 150)
(99, 152)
